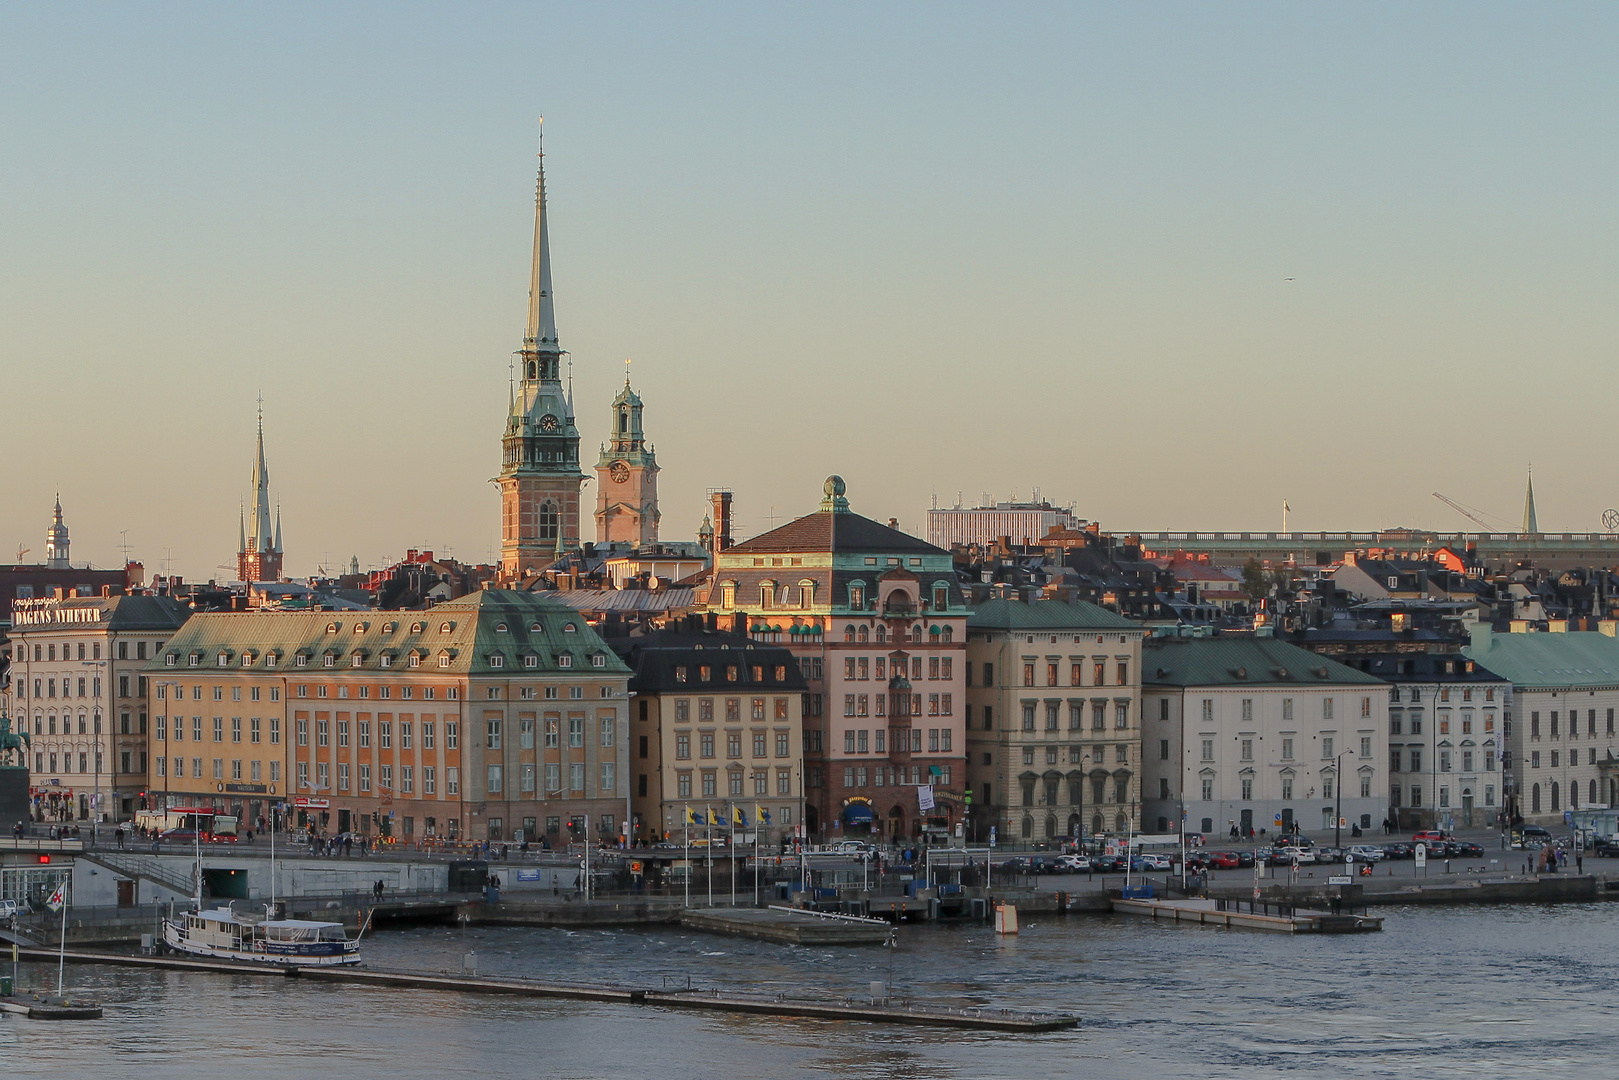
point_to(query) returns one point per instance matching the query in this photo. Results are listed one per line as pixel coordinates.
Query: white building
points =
(1023, 523)
(1559, 725)
(1259, 734)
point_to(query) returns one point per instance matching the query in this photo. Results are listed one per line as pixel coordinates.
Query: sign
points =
(992, 836)
(247, 789)
(528, 875)
(1340, 880)
(311, 804)
(1422, 856)
(924, 797)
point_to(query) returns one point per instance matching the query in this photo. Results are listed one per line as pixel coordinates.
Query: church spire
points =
(542, 322)
(258, 554)
(1530, 525)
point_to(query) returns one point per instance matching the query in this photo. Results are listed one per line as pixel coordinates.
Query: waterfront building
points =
(1259, 734)
(259, 552)
(878, 625)
(716, 725)
(990, 523)
(497, 716)
(627, 479)
(1447, 763)
(1559, 723)
(77, 685)
(1053, 719)
(540, 476)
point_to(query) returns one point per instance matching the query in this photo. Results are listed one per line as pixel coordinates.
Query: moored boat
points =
(224, 934)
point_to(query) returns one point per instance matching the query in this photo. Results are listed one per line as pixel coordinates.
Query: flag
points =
(58, 899)
(761, 814)
(738, 817)
(713, 818)
(1285, 508)
(694, 818)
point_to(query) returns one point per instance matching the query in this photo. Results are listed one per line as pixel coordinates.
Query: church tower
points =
(56, 541)
(258, 552)
(539, 474)
(627, 479)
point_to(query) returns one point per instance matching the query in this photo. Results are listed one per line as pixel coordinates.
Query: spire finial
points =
(626, 372)
(542, 330)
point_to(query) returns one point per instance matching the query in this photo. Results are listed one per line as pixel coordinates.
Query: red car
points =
(1428, 836)
(1225, 860)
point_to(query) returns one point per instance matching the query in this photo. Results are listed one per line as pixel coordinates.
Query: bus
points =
(209, 823)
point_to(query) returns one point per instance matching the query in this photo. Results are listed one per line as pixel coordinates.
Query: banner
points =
(924, 797)
(58, 898)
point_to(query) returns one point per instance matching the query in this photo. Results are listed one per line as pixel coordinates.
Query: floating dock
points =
(873, 1011)
(1249, 915)
(45, 1007)
(791, 926)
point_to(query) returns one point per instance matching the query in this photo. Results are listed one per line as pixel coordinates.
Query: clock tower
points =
(627, 479)
(539, 474)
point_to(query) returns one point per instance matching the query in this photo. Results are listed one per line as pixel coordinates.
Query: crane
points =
(21, 551)
(1469, 513)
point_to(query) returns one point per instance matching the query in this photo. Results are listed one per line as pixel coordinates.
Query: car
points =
(1329, 855)
(1245, 859)
(1428, 836)
(1470, 851)
(1148, 861)
(1073, 864)
(1399, 850)
(1225, 860)
(8, 912)
(1107, 864)
(1299, 855)
(1367, 853)
(1607, 848)
(1535, 832)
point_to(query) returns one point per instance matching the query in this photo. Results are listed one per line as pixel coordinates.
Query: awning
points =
(857, 812)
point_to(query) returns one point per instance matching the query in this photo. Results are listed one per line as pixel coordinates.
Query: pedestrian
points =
(1579, 863)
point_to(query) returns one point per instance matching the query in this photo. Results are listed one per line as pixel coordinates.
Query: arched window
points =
(861, 633)
(1556, 804)
(948, 633)
(1051, 826)
(882, 634)
(1028, 827)
(1120, 823)
(1534, 799)
(1593, 796)
(848, 633)
(550, 522)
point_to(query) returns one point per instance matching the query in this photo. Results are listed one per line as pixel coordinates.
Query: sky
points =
(1168, 263)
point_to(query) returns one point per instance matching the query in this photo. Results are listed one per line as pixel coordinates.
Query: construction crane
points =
(21, 551)
(1470, 513)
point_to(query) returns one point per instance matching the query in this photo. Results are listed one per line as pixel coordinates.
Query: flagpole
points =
(733, 854)
(708, 832)
(686, 823)
(61, 952)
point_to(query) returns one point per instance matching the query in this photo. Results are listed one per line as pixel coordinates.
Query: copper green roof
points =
(1548, 661)
(1241, 662)
(492, 632)
(1056, 615)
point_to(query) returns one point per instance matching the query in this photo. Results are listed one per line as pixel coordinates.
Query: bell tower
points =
(539, 475)
(627, 478)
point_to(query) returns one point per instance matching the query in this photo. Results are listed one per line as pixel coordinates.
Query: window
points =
(491, 737)
(452, 775)
(494, 779)
(1365, 746)
(451, 740)
(1247, 750)
(576, 730)
(1208, 750)
(365, 777)
(1208, 789)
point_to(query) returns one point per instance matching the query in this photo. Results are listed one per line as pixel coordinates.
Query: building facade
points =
(1256, 734)
(1447, 759)
(77, 683)
(1559, 723)
(627, 479)
(540, 476)
(1053, 720)
(878, 625)
(497, 716)
(717, 727)
(1019, 523)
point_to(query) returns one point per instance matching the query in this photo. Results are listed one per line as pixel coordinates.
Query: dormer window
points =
(598, 660)
(531, 661)
(444, 660)
(569, 628)
(170, 660)
(224, 659)
(247, 659)
(328, 660)
(417, 627)
(194, 659)
(564, 660)
(535, 628)
(385, 660)
(500, 628)
(445, 628)
(496, 660)
(357, 660)
(389, 627)
(301, 661)
(415, 660)
(331, 628)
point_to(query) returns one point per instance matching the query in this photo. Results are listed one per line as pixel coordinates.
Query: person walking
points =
(1579, 863)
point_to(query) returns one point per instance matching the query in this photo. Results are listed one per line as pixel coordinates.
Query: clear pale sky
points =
(1171, 263)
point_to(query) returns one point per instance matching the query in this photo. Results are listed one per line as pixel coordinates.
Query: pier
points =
(788, 926)
(874, 1010)
(1249, 915)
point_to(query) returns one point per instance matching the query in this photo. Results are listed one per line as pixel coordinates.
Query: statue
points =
(12, 743)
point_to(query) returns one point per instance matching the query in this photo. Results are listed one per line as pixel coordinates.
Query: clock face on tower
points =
(548, 422)
(619, 471)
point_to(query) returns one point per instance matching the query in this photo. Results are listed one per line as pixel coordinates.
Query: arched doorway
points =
(1467, 807)
(1051, 827)
(896, 823)
(1073, 825)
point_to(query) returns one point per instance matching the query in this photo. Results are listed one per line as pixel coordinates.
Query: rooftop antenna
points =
(123, 544)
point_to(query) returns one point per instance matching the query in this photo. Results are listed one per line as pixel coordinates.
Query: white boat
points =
(223, 934)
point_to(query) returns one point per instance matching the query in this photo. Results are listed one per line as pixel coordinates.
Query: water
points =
(1487, 991)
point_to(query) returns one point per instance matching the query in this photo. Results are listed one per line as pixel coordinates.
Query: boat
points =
(223, 934)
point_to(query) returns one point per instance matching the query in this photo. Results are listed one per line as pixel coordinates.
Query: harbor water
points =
(1465, 991)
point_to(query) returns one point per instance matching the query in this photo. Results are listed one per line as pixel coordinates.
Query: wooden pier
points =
(790, 926)
(47, 1007)
(1249, 915)
(873, 1011)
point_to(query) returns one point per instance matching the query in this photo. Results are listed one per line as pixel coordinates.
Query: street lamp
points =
(1338, 800)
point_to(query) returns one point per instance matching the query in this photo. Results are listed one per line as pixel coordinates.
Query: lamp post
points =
(95, 708)
(1338, 800)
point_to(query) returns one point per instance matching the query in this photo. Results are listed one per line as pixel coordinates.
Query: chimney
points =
(1608, 627)
(739, 623)
(722, 519)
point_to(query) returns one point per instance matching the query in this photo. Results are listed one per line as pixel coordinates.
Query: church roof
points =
(829, 531)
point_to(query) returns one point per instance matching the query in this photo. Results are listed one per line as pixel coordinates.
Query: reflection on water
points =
(1474, 992)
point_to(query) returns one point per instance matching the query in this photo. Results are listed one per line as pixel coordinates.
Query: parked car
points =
(1300, 855)
(1148, 861)
(1073, 864)
(1470, 850)
(1245, 858)
(1428, 836)
(1368, 853)
(1607, 848)
(1329, 855)
(1107, 864)
(1225, 860)
(1400, 850)
(8, 912)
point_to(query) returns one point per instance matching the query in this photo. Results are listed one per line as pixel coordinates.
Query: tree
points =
(1254, 580)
